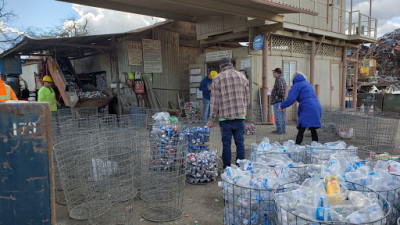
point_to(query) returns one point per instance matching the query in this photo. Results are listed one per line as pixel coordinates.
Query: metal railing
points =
(333, 19)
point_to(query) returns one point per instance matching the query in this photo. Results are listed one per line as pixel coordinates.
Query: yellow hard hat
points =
(47, 79)
(213, 74)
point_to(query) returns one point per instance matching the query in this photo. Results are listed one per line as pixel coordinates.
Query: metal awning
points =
(189, 10)
(74, 46)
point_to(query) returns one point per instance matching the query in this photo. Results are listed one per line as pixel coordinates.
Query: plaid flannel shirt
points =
(278, 93)
(230, 95)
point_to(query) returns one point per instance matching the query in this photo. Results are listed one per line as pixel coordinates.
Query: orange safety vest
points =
(6, 93)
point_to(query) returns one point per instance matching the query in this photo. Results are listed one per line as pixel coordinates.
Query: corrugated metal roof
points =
(74, 46)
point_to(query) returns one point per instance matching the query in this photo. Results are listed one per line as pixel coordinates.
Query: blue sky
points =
(39, 13)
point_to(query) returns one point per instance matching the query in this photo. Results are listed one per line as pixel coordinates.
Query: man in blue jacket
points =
(205, 87)
(309, 111)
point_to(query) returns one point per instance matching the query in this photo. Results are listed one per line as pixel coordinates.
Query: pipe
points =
(344, 76)
(355, 80)
(369, 18)
(312, 63)
(265, 104)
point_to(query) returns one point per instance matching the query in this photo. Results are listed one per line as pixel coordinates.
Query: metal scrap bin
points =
(26, 175)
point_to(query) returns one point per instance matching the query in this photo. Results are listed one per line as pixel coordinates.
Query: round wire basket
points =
(163, 173)
(202, 158)
(321, 155)
(285, 217)
(82, 163)
(376, 152)
(246, 205)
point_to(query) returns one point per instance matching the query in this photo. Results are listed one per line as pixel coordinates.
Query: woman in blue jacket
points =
(309, 111)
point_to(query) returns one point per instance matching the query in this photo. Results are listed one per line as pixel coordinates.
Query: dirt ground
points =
(202, 203)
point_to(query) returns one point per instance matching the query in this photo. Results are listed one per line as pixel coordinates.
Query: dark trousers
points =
(236, 129)
(300, 134)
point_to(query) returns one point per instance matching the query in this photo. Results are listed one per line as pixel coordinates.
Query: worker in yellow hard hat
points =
(47, 94)
(205, 87)
(6, 92)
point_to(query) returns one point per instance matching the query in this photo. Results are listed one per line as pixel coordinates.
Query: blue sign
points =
(258, 42)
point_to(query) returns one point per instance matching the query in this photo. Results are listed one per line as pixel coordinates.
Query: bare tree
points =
(8, 36)
(71, 27)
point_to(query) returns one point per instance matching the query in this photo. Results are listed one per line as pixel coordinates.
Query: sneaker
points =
(276, 132)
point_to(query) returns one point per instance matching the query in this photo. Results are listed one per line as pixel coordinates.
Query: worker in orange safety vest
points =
(6, 92)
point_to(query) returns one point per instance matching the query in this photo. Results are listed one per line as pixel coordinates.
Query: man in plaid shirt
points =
(230, 97)
(277, 96)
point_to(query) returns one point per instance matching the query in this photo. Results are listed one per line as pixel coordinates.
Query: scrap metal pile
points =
(386, 52)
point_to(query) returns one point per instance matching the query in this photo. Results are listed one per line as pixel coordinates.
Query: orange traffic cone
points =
(272, 119)
(371, 110)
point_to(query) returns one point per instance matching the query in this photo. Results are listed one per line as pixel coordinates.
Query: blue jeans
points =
(280, 118)
(206, 110)
(236, 129)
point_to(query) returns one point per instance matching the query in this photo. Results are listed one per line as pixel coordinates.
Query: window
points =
(289, 68)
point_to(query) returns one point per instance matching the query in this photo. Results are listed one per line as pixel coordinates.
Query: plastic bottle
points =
(358, 199)
(333, 190)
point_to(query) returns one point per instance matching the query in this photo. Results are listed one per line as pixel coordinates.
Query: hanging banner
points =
(134, 53)
(152, 58)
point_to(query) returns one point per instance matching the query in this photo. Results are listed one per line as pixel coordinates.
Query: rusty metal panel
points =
(26, 171)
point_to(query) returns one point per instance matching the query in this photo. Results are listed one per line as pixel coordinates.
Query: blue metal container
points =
(26, 171)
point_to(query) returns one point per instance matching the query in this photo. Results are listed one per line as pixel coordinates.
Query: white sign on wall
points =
(216, 56)
(134, 53)
(152, 58)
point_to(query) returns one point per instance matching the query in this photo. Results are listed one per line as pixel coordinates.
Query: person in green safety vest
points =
(47, 94)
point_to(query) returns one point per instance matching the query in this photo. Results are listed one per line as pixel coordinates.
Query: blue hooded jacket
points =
(309, 111)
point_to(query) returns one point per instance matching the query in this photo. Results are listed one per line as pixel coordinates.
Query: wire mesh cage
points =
(84, 171)
(62, 129)
(321, 154)
(149, 116)
(293, 212)
(64, 112)
(132, 120)
(244, 205)
(163, 173)
(202, 158)
(358, 127)
(376, 152)
(108, 122)
(124, 160)
(84, 112)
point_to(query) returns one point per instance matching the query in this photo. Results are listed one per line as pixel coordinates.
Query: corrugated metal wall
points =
(176, 60)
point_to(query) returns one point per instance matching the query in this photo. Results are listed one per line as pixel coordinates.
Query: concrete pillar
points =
(344, 73)
(265, 104)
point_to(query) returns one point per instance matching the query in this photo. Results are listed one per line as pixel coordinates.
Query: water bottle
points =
(358, 199)
(333, 190)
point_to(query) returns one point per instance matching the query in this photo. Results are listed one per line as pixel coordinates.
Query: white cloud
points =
(386, 11)
(104, 21)
(9, 30)
(389, 26)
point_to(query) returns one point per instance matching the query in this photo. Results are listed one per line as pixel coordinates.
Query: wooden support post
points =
(316, 88)
(355, 80)
(265, 103)
(312, 63)
(344, 76)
